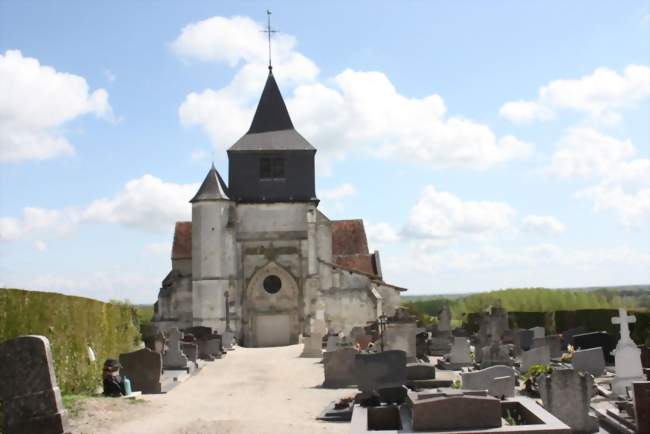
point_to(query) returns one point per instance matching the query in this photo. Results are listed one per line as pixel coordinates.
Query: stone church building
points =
(258, 257)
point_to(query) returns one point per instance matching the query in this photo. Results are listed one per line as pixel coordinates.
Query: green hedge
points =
(71, 324)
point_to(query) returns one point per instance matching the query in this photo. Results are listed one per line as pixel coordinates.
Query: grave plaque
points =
(553, 342)
(144, 369)
(642, 406)
(339, 368)
(524, 339)
(375, 371)
(420, 371)
(401, 336)
(30, 395)
(535, 356)
(482, 380)
(596, 339)
(174, 357)
(566, 394)
(456, 413)
(590, 360)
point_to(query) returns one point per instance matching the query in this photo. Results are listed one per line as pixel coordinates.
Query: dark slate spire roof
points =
(213, 187)
(271, 113)
(271, 129)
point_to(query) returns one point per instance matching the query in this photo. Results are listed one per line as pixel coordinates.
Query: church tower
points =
(272, 162)
(213, 260)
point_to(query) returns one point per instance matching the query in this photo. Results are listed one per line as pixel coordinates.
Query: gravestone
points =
(492, 326)
(482, 380)
(174, 358)
(645, 357)
(566, 394)
(375, 371)
(596, 339)
(227, 340)
(401, 336)
(456, 413)
(538, 332)
(460, 352)
(568, 335)
(642, 406)
(553, 342)
(444, 320)
(524, 339)
(502, 387)
(202, 335)
(332, 343)
(495, 354)
(535, 356)
(30, 395)
(144, 368)
(191, 350)
(439, 345)
(339, 368)
(420, 371)
(590, 360)
(627, 356)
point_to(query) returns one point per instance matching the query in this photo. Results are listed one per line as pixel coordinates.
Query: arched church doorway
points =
(273, 296)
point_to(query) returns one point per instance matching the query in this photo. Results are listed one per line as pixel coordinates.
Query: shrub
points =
(72, 324)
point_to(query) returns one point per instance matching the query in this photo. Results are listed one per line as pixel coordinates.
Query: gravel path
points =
(250, 391)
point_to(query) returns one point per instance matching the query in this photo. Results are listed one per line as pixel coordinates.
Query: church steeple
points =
(212, 188)
(271, 113)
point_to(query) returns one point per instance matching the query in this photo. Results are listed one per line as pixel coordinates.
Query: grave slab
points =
(144, 368)
(373, 371)
(30, 396)
(590, 360)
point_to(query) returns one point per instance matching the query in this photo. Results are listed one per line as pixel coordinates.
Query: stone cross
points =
(624, 320)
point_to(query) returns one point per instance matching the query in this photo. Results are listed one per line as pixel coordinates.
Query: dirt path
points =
(250, 391)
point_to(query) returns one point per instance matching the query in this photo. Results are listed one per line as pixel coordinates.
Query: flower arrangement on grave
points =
(568, 356)
(530, 378)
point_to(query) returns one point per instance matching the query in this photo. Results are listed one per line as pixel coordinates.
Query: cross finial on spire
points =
(268, 31)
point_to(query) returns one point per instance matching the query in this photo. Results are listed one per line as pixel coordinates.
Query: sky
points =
(486, 145)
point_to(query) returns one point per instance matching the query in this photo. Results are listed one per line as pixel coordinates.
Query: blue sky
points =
(486, 145)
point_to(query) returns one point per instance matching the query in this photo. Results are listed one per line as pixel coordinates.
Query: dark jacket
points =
(114, 385)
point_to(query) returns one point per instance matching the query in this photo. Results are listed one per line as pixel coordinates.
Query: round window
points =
(272, 284)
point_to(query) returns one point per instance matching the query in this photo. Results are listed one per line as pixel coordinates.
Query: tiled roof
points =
(349, 238)
(182, 248)
(362, 263)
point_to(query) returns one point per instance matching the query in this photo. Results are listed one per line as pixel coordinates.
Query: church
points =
(259, 258)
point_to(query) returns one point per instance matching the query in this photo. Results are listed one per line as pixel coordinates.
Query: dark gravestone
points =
(339, 368)
(524, 339)
(30, 395)
(420, 371)
(642, 406)
(191, 350)
(208, 348)
(144, 369)
(645, 357)
(375, 371)
(568, 335)
(456, 413)
(596, 339)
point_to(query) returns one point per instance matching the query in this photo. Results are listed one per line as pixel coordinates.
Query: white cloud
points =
(147, 203)
(37, 221)
(40, 246)
(337, 193)
(631, 207)
(381, 233)
(441, 215)
(601, 95)
(623, 180)
(37, 101)
(585, 152)
(161, 248)
(110, 76)
(357, 110)
(545, 225)
(525, 111)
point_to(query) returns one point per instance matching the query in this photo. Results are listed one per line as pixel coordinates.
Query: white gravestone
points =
(627, 356)
(460, 352)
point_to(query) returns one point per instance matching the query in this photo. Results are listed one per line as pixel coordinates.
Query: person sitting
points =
(113, 382)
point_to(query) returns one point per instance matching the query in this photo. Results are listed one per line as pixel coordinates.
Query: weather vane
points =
(268, 31)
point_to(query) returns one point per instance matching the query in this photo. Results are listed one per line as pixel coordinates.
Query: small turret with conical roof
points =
(272, 162)
(212, 188)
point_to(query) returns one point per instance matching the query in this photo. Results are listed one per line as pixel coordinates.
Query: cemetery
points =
(384, 376)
